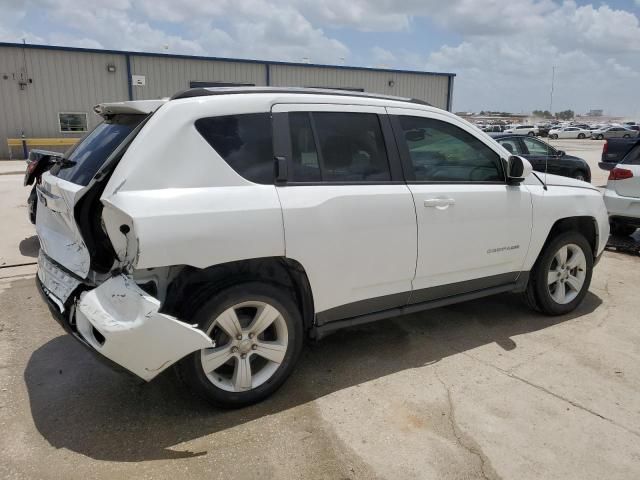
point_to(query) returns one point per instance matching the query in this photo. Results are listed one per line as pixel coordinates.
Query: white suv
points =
(622, 195)
(530, 130)
(218, 229)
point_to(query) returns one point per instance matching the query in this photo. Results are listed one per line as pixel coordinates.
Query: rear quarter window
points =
(244, 141)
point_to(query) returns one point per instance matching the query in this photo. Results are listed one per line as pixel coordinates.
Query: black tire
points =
(621, 230)
(600, 137)
(553, 136)
(581, 136)
(579, 175)
(538, 295)
(531, 134)
(626, 135)
(191, 371)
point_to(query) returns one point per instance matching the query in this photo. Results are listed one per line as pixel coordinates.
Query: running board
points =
(319, 332)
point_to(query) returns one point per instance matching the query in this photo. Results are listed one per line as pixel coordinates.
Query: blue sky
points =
(501, 50)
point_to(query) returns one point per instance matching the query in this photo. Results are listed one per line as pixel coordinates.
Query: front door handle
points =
(439, 202)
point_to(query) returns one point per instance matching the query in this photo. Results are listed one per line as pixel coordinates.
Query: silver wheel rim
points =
(251, 343)
(567, 273)
(580, 177)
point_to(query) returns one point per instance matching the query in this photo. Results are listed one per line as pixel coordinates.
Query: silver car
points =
(613, 132)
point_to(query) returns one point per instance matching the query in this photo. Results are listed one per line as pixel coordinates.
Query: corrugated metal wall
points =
(68, 80)
(166, 76)
(430, 88)
(62, 82)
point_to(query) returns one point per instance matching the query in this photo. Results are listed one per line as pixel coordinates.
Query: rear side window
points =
(337, 147)
(88, 155)
(512, 145)
(244, 141)
(633, 157)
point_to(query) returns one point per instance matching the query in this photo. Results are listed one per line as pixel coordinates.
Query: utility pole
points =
(553, 78)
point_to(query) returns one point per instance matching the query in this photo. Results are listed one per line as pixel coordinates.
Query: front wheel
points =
(581, 136)
(600, 137)
(562, 274)
(626, 135)
(257, 329)
(579, 175)
(553, 136)
(531, 134)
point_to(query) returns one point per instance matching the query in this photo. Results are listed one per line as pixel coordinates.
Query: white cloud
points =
(503, 58)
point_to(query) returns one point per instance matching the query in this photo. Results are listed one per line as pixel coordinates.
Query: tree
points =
(565, 115)
(543, 114)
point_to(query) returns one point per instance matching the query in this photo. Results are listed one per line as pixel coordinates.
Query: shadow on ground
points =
(29, 247)
(81, 405)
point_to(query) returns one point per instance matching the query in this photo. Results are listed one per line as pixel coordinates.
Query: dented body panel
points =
(131, 331)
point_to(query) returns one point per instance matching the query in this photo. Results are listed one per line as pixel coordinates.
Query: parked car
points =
(613, 132)
(530, 130)
(38, 162)
(569, 132)
(493, 128)
(614, 150)
(544, 158)
(543, 130)
(622, 195)
(292, 213)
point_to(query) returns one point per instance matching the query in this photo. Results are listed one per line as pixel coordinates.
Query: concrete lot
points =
(486, 389)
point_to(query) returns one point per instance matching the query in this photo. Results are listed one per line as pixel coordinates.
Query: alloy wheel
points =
(567, 273)
(251, 342)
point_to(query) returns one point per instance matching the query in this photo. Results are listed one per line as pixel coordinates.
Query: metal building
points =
(47, 93)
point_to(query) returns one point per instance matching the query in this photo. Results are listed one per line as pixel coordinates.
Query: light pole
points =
(553, 78)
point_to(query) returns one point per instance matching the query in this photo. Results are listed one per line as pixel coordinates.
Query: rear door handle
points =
(439, 202)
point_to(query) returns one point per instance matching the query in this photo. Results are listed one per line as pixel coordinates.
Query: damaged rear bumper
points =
(121, 322)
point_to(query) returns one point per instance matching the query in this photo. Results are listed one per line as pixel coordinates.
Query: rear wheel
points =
(626, 135)
(600, 137)
(553, 136)
(581, 136)
(531, 134)
(622, 230)
(562, 275)
(579, 175)
(258, 332)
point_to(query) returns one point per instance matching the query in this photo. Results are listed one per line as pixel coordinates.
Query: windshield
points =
(83, 160)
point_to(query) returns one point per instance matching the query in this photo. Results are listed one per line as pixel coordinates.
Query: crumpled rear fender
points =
(122, 322)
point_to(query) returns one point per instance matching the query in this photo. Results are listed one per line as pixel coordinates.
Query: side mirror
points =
(518, 169)
(561, 153)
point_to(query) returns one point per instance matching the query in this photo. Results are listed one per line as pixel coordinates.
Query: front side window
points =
(537, 148)
(346, 147)
(442, 152)
(72, 122)
(244, 142)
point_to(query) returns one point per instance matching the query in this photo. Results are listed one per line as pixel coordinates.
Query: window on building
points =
(442, 152)
(72, 122)
(244, 142)
(350, 145)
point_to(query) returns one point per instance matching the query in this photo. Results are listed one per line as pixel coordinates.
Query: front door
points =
(473, 228)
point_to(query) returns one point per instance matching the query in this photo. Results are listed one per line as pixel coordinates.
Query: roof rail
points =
(201, 92)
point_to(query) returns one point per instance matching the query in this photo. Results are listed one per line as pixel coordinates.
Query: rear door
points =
(349, 218)
(630, 187)
(67, 182)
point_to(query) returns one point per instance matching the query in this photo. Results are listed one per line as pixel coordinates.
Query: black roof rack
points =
(201, 92)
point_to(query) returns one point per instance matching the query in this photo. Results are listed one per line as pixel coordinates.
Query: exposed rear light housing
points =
(605, 147)
(620, 174)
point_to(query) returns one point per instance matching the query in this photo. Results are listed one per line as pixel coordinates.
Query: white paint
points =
(137, 337)
(622, 197)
